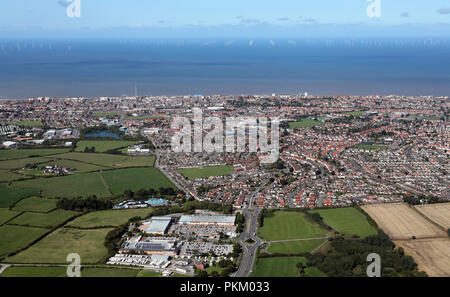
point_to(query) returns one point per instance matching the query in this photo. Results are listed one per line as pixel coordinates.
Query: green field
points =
(289, 225)
(6, 176)
(304, 123)
(55, 247)
(191, 173)
(6, 215)
(108, 217)
(61, 271)
(355, 113)
(109, 160)
(36, 204)
(18, 154)
(45, 220)
(108, 272)
(102, 146)
(29, 124)
(20, 163)
(75, 166)
(148, 273)
(371, 147)
(295, 247)
(107, 114)
(282, 267)
(9, 196)
(80, 185)
(14, 238)
(348, 220)
(135, 179)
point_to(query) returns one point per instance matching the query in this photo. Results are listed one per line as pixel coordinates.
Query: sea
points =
(120, 67)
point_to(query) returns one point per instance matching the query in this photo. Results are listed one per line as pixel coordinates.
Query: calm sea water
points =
(174, 67)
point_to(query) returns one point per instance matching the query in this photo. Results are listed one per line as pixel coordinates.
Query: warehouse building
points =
(202, 219)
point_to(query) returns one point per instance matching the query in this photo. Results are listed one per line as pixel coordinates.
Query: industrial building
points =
(151, 246)
(158, 225)
(202, 219)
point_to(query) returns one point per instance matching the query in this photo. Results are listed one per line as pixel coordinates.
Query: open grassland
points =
(295, 246)
(6, 215)
(108, 272)
(14, 238)
(431, 255)
(20, 163)
(9, 196)
(67, 186)
(304, 123)
(109, 217)
(438, 213)
(401, 222)
(34, 271)
(355, 113)
(45, 220)
(191, 173)
(55, 247)
(7, 176)
(75, 166)
(18, 154)
(36, 204)
(282, 267)
(110, 160)
(135, 179)
(289, 225)
(102, 146)
(29, 124)
(348, 220)
(148, 273)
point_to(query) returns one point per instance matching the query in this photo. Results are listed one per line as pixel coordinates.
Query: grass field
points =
(108, 272)
(18, 154)
(20, 163)
(108, 217)
(14, 238)
(347, 220)
(148, 273)
(29, 124)
(55, 247)
(304, 123)
(9, 196)
(282, 267)
(36, 204)
(75, 166)
(31, 271)
(6, 215)
(6, 176)
(295, 247)
(107, 114)
(371, 147)
(191, 173)
(67, 186)
(438, 213)
(45, 220)
(355, 113)
(399, 221)
(289, 225)
(109, 160)
(102, 146)
(135, 179)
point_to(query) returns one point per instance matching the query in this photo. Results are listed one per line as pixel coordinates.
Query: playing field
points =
(304, 123)
(438, 213)
(289, 225)
(355, 113)
(18, 154)
(431, 255)
(44, 220)
(80, 185)
(348, 220)
(108, 217)
(9, 196)
(295, 246)
(399, 221)
(102, 146)
(6, 215)
(55, 247)
(191, 173)
(109, 160)
(36, 204)
(136, 179)
(282, 267)
(14, 238)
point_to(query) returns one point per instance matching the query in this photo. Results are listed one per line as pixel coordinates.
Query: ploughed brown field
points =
(432, 255)
(438, 213)
(401, 222)
(431, 248)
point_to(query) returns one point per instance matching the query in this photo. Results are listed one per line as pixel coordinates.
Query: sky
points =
(225, 18)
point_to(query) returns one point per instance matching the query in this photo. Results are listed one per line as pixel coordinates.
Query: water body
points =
(93, 68)
(103, 134)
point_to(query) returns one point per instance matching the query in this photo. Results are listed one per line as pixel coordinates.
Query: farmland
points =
(191, 173)
(6, 215)
(108, 218)
(14, 238)
(9, 196)
(347, 220)
(438, 213)
(45, 220)
(102, 146)
(36, 204)
(401, 222)
(61, 271)
(282, 267)
(75, 166)
(20, 163)
(55, 247)
(6, 176)
(19, 154)
(109, 160)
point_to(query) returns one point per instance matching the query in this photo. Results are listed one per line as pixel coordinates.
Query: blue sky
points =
(220, 18)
